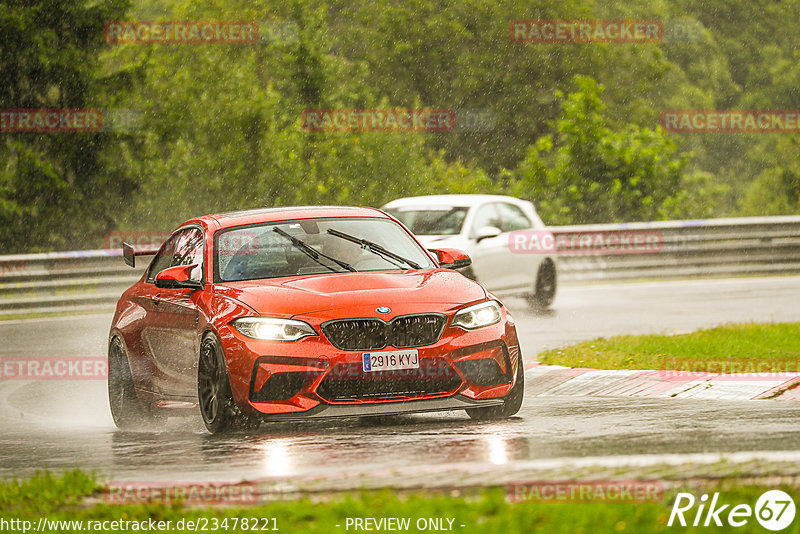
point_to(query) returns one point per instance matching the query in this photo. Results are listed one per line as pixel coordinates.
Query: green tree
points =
(54, 189)
(217, 138)
(588, 173)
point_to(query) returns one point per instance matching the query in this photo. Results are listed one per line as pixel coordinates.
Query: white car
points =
(480, 226)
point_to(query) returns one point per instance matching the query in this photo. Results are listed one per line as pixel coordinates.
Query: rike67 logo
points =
(774, 510)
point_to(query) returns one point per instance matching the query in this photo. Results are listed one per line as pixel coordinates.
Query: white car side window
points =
(486, 216)
(513, 218)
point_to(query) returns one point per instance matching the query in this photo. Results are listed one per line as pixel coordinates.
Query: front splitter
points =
(323, 411)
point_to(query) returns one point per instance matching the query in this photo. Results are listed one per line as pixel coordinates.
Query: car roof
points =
(265, 215)
(450, 200)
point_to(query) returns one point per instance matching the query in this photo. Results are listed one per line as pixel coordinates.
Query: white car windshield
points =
(431, 221)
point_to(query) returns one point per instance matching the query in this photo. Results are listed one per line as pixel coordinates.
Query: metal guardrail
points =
(94, 279)
(694, 249)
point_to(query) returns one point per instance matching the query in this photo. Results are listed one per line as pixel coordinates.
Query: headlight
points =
(478, 315)
(273, 328)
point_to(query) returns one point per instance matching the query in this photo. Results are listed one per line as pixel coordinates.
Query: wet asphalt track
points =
(60, 424)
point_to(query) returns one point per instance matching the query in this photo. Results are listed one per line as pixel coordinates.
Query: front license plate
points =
(390, 360)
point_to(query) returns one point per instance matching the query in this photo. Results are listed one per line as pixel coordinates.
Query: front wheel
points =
(219, 411)
(511, 404)
(544, 291)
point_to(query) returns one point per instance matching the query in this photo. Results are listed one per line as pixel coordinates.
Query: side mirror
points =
(487, 232)
(450, 258)
(129, 253)
(177, 277)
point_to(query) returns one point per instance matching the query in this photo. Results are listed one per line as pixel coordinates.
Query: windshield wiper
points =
(374, 248)
(312, 253)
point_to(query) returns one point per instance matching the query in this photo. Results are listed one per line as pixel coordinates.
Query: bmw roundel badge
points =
(383, 309)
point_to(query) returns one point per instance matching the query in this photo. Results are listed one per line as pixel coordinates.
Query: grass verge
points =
(732, 348)
(62, 498)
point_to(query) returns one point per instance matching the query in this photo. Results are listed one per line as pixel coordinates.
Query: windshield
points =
(312, 246)
(431, 221)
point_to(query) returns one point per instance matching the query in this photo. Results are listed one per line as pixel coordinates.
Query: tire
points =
(219, 411)
(545, 289)
(469, 272)
(126, 408)
(511, 403)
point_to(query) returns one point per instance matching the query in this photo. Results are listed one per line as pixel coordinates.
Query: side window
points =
(189, 250)
(486, 216)
(513, 218)
(163, 258)
(184, 247)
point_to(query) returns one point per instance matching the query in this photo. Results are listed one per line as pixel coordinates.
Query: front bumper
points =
(312, 378)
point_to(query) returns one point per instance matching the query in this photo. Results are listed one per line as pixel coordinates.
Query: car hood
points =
(439, 289)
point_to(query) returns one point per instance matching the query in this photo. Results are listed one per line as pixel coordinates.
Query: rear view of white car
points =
(480, 225)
